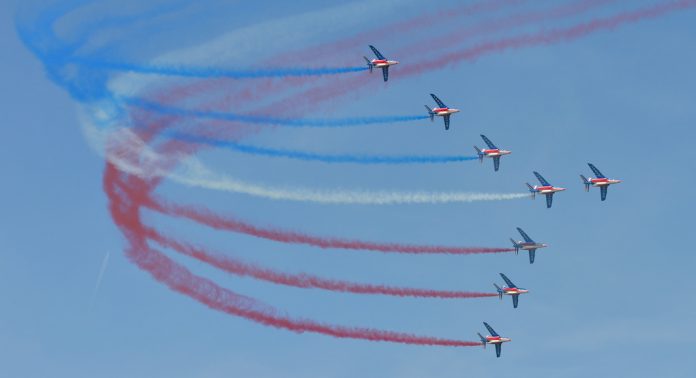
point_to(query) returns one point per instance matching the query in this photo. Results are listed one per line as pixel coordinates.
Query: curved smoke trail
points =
(191, 172)
(124, 207)
(228, 223)
(289, 122)
(310, 156)
(302, 280)
(212, 72)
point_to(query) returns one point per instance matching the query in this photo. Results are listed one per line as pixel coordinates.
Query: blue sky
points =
(611, 296)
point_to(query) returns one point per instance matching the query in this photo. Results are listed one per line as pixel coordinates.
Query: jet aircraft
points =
(380, 62)
(510, 289)
(494, 339)
(545, 188)
(441, 111)
(600, 181)
(492, 152)
(527, 245)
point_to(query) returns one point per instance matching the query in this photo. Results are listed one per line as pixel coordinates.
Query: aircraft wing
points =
(532, 254)
(377, 53)
(507, 280)
(496, 163)
(515, 300)
(385, 73)
(549, 200)
(541, 179)
(603, 191)
(438, 101)
(488, 142)
(498, 349)
(447, 121)
(596, 171)
(490, 329)
(524, 235)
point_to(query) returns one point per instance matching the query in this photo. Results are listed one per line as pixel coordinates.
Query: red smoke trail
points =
(263, 87)
(220, 222)
(125, 210)
(509, 22)
(305, 281)
(340, 85)
(549, 37)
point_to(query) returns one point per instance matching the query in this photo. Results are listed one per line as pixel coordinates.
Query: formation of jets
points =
(495, 153)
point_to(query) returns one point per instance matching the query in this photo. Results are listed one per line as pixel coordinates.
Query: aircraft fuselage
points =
(497, 339)
(379, 63)
(444, 111)
(603, 181)
(548, 189)
(514, 290)
(526, 246)
(493, 152)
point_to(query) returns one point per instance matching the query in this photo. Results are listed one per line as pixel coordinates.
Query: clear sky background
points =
(611, 296)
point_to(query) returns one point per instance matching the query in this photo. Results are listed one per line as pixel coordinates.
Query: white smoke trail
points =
(130, 154)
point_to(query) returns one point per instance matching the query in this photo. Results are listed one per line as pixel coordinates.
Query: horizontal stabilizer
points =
(500, 291)
(369, 63)
(515, 245)
(586, 182)
(430, 113)
(483, 339)
(531, 190)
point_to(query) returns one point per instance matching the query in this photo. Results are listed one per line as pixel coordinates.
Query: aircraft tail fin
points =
(500, 291)
(586, 182)
(480, 154)
(483, 340)
(430, 113)
(531, 190)
(369, 63)
(515, 245)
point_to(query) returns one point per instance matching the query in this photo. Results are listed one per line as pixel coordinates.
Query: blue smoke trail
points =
(310, 156)
(210, 72)
(290, 122)
(86, 78)
(57, 55)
